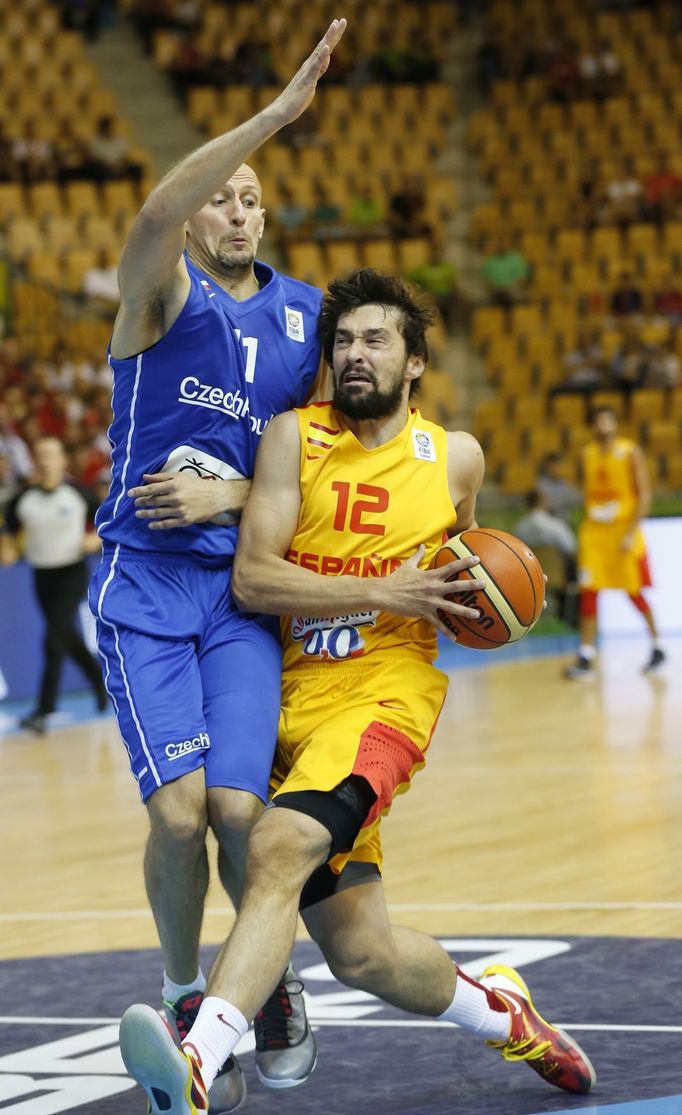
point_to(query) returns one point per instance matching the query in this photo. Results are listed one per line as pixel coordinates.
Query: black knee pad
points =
(343, 810)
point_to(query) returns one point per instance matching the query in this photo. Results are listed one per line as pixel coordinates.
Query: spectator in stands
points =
(34, 156)
(662, 368)
(84, 16)
(623, 198)
(291, 216)
(583, 367)
(100, 285)
(662, 192)
(438, 277)
(325, 214)
(560, 497)
(489, 64)
(538, 527)
(506, 271)
(72, 157)
(253, 63)
(601, 72)
(667, 299)
(628, 368)
(110, 154)
(9, 170)
(590, 198)
(9, 485)
(563, 74)
(14, 447)
(627, 298)
(407, 209)
(366, 211)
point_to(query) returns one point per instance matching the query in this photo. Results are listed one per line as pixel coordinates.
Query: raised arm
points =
(153, 279)
(264, 581)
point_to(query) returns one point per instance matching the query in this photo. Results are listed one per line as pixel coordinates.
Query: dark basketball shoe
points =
(228, 1090)
(34, 722)
(286, 1050)
(581, 668)
(657, 659)
(168, 1074)
(549, 1051)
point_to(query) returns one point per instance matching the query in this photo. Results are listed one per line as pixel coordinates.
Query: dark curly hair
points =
(363, 286)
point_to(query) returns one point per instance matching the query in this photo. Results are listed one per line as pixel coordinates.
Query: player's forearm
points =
(190, 184)
(275, 586)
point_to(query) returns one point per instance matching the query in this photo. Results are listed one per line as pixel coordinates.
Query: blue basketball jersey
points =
(278, 328)
(200, 398)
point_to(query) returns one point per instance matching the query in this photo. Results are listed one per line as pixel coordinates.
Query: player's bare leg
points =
(176, 871)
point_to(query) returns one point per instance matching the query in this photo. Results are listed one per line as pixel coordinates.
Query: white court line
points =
(402, 907)
(429, 1023)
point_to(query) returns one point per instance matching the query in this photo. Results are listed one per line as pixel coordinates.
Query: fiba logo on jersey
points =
(424, 449)
(294, 320)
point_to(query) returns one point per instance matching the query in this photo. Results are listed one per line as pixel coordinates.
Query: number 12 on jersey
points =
(375, 503)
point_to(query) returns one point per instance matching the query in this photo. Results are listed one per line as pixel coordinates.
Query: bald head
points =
(223, 236)
(246, 176)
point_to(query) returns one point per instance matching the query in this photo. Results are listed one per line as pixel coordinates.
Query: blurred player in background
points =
(51, 518)
(611, 549)
(358, 487)
(206, 347)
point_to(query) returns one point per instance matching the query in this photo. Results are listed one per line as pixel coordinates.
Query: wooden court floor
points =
(546, 808)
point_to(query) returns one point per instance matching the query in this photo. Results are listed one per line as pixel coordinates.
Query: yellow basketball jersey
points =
(609, 482)
(364, 512)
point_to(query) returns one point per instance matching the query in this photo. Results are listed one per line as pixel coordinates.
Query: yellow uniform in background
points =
(611, 501)
(360, 692)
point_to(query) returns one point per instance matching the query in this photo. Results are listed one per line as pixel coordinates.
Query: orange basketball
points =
(514, 593)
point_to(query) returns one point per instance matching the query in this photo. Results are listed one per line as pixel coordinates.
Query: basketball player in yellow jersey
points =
(349, 502)
(611, 550)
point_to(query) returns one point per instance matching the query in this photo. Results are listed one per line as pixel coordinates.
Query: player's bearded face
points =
(358, 394)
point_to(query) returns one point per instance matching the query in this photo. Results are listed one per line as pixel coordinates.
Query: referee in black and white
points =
(51, 519)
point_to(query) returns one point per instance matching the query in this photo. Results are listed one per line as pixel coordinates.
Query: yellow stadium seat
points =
(380, 254)
(77, 262)
(487, 325)
(490, 416)
(571, 245)
(45, 200)
(61, 234)
(23, 239)
(526, 320)
(412, 253)
(568, 410)
(663, 436)
(647, 405)
(605, 244)
(674, 472)
(343, 255)
(518, 477)
(202, 104)
(12, 202)
(81, 199)
(673, 405)
(306, 262)
(530, 411)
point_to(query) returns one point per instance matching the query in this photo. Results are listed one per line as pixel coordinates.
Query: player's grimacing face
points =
(229, 226)
(369, 362)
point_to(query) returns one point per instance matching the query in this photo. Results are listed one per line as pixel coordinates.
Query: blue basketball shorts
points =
(194, 681)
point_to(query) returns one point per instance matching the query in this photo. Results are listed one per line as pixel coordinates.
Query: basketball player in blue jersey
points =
(205, 349)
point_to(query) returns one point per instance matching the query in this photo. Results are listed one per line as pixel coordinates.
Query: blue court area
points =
(58, 1036)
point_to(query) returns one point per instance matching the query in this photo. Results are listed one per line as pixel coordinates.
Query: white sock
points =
(477, 1010)
(216, 1032)
(586, 650)
(172, 991)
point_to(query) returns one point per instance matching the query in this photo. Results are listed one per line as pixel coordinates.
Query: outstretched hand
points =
(301, 89)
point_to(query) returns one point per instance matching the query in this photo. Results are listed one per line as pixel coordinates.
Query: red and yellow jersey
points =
(609, 482)
(364, 512)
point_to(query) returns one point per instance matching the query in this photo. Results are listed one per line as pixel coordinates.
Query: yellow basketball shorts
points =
(603, 564)
(372, 719)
